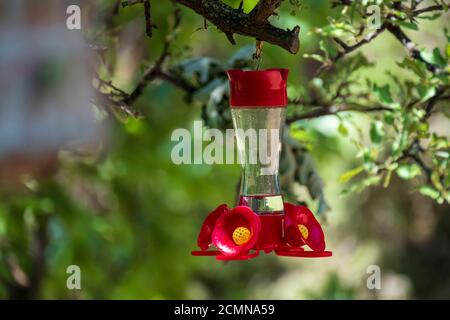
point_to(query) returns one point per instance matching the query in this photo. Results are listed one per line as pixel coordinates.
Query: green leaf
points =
(442, 154)
(376, 132)
(314, 56)
(447, 34)
(328, 48)
(438, 142)
(434, 57)
(347, 176)
(429, 192)
(388, 117)
(408, 25)
(415, 66)
(342, 129)
(408, 171)
(368, 160)
(361, 185)
(383, 93)
(400, 143)
(425, 93)
(438, 58)
(387, 179)
(431, 17)
(317, 82)
(134, 126)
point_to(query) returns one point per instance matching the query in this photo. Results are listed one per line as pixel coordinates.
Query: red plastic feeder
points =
(261, 221)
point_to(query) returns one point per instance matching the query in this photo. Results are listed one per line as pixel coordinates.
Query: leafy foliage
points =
(402, 141)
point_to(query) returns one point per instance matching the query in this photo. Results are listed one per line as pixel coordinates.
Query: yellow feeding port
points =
(304, 231)
(241, 235)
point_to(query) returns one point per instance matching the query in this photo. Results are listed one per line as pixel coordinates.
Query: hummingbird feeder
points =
(261, 221)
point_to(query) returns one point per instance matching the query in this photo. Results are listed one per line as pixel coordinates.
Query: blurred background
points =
(81, 188)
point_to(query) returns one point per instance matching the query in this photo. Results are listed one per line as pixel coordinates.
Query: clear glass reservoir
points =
(258, 134)
(258, 100)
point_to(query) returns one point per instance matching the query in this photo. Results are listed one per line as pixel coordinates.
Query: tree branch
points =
(131, 2)
(320, 112)
(263, 10)
(428, 9)
(398, 33)
(176, 81)
(255, 24)
(147, 13)
(156, 70)
(417, 159)
(394, 29)
(346, 49)
(107, 101)
(148, 18)
(434, 100)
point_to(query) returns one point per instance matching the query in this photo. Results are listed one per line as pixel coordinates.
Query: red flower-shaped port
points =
(204, 239)
(236, 231)
(301, 227)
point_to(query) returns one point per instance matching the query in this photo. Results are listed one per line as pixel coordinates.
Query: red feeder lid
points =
(258, 89)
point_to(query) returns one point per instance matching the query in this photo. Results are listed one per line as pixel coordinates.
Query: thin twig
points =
(428, 9)
(410, 46)
(346, 49)
(325, 111)
(254, 24)
(148, 18)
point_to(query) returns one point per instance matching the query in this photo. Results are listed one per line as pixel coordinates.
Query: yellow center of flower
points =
(304, 231)
(241, 235)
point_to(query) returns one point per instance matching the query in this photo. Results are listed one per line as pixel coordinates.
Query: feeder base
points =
(281, 251)
(241, 234)
(298, 252)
